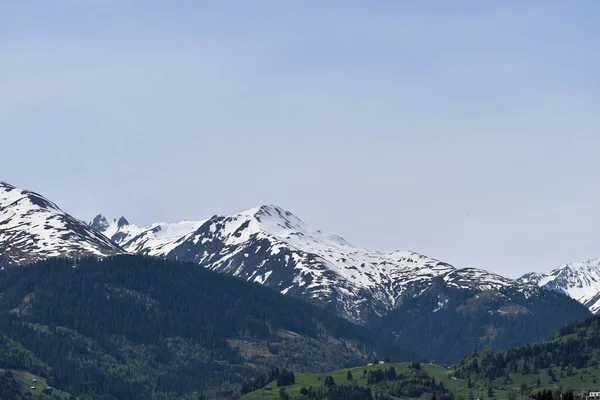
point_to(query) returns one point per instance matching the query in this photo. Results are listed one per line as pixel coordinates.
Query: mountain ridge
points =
(272, 246)
(578, 280)
(33, 228)
(568, 278)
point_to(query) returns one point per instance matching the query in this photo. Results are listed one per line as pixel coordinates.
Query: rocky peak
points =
(99, 223)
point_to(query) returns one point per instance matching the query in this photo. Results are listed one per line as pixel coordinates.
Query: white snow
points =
(579, 280)
(31, 224)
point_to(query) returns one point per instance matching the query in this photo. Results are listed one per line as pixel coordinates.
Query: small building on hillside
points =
(381, 362)
(593, 396)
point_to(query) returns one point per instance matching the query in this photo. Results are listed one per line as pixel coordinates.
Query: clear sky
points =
(465, 130)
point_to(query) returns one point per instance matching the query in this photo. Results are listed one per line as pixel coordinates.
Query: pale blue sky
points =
(465, 130)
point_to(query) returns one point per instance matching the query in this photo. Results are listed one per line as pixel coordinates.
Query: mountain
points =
(154, 240)
(134, 327)
(272, 246)
(580, 281)
(443, 311)
(33, 228)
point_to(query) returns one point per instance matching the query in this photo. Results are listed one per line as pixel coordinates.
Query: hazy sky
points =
(465, 130)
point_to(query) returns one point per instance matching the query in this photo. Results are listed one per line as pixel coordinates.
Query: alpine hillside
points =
(33, 228)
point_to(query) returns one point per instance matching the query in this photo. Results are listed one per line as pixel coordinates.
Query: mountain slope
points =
(567, 359)
(135, 327)
(444, 323)
(33, 228)
(580, 281)
(271, 246)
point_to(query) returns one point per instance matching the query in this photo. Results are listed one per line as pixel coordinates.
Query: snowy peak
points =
(580, 280)
(532, 278)
(99, 223)
(157, 239)
(277, 223)
(33, 228)
(122, 222)
(481, 279)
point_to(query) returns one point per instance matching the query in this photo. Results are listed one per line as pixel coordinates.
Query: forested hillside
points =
(445, 323)
(142, 328)
(569, 360)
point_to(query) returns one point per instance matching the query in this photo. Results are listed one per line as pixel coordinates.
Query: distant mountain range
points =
(273, 247)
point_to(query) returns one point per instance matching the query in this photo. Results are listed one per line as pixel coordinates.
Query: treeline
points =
(574, 346)
(381, 384)
(335, 392)
(412, 385)
(557, 394)
(282, 376)
(10, 388)
(143, 328)
(330, 390)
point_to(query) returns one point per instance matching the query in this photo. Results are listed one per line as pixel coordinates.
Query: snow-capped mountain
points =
(580, 281)
(271, 246)
(154, 240)
(34, 228)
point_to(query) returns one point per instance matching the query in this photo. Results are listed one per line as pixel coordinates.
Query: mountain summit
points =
(580, 280)
(33, 228)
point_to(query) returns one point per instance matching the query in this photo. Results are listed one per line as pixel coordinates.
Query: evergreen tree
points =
(391, 373)
(329, 382)
(349, 376)
(283, 395)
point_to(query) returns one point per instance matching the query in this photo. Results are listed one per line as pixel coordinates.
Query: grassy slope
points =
(25, 379)
(441, 374)
(568, 382)
(339, 376)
